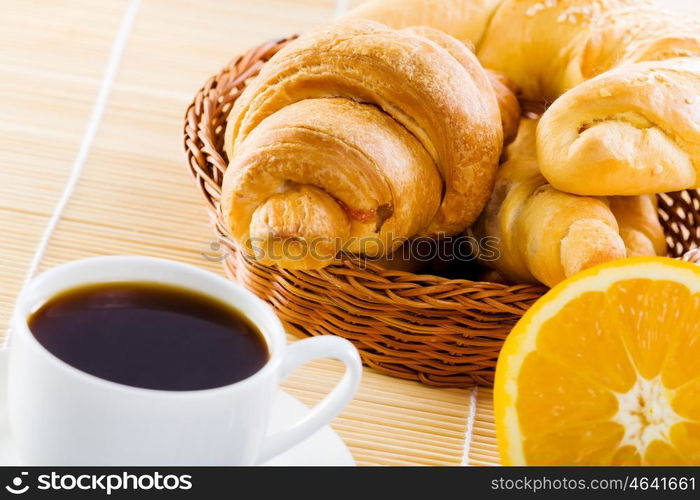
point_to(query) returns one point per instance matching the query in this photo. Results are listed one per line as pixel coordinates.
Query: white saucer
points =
(323, 448)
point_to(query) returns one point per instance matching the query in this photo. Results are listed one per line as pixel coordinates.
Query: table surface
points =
(92, 97)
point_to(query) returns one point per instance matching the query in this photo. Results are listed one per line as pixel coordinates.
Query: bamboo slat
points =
(483, 449)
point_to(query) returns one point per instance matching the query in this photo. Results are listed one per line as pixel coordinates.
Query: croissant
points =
(627, 122)
(309, 175)
(505, 90)
(331, 150)
(639, 224)
(541, 233)
(508, 104)
(547, 47)
(632, 130)
(465, 20)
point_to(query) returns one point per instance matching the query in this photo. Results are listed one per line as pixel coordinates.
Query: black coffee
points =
(150, 335)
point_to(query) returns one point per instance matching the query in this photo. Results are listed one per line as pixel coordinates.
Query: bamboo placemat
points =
(133, 195)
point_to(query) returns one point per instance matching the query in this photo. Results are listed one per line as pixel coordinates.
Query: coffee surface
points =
(150, 335)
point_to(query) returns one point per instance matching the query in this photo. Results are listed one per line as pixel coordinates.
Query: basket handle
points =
(301, 353)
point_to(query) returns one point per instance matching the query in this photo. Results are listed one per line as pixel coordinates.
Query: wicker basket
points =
(444, 332)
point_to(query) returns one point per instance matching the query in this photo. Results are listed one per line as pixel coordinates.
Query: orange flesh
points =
(614, 379)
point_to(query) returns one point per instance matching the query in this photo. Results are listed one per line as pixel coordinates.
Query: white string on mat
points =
(115, 56)
(341, 7)
(469, 433)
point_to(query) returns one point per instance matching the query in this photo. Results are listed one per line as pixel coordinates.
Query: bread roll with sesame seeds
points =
(466, 20)
(627, 68)
(624, 79)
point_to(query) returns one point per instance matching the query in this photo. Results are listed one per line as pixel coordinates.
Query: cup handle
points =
(303, 352)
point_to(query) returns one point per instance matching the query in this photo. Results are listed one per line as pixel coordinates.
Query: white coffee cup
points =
(61, 415)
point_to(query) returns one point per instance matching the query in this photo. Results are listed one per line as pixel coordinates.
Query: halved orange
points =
(605, 370)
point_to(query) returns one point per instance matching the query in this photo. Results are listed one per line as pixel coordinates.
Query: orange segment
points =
(603, 370)
(643, 312)
(581, 328)
(686, 400)
(661, 453)
(684, 353)
(592, 444)
(626, 456)
(685, 438)
(571, 399)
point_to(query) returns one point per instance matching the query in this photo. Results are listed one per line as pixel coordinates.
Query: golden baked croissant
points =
(547, 47)
(505, 90)
(320, 173)
(546, 235)
(355, 137)
(465, 20)
(631, 130)
(627, 122)
(639, 224)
